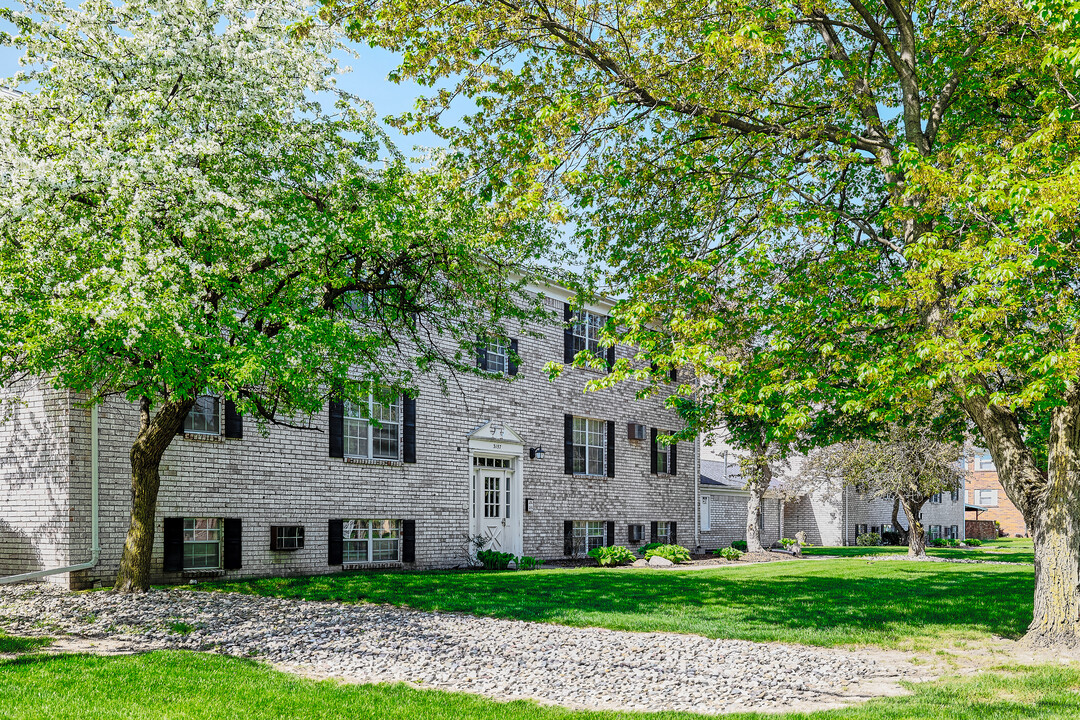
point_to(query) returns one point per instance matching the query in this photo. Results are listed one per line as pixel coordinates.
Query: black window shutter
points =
(337, 428)
(568, 537)
(173, 537)
(335, 546)
(568, 334)
(233, 555)
(481, 352)
(652, 532)
(610, 358)
(512, 367)
(611, 448)
(568, 443)
(629, 533)
(273, 537)
(610, 533)
(408, 429)
(671, 532)
(234, 423)
(674, 374)
(673, 458)
(408, 541)
(653, 456)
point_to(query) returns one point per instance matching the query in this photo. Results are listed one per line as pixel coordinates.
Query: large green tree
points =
(180, 214)
(906, 167)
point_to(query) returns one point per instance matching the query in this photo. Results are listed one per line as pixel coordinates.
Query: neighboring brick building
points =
(406, 493)
(984, 490)
(722, 505)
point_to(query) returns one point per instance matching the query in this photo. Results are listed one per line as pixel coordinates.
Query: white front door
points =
(497, 504)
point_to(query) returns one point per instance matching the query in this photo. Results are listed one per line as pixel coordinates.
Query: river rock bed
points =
(504, 659)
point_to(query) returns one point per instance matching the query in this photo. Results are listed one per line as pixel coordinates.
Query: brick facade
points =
(999, 508)
(285, 476)
(727, 518)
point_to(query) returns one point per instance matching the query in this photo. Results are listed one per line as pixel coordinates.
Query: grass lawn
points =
(175, 685)
(821, 602)
(1015, 550)
(10, 645)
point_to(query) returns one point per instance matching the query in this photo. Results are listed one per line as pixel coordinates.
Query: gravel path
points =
(505, 659)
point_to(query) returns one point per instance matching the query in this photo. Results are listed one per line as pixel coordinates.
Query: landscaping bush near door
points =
(674, 553)
(647, 547)
(868, 539)
(495, 560)
(611, 556)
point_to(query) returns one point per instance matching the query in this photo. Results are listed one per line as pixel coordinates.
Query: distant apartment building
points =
(986, 498)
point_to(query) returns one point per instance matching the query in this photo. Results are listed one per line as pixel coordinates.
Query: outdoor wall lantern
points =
(528, 504)
(536, 453)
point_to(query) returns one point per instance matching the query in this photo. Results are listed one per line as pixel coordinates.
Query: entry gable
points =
(495, 433)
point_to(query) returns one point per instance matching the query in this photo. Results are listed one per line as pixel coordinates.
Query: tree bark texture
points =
(916, 538)
(1050, 503)
(757, 488)
(1055, 527)
(155, 434)
(897, 527)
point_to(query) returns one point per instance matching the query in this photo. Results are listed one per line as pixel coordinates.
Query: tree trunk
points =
(1055, 527)
(1050, 503)
(155, 434)
(916, 539)
(757, 487)
(896, 520)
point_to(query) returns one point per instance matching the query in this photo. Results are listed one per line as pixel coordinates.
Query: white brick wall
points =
(285, 476)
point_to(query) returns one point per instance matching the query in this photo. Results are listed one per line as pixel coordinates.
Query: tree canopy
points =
(884, 190)
(190, 205)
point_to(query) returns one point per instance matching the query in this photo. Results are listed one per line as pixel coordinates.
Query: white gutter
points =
(95, 554)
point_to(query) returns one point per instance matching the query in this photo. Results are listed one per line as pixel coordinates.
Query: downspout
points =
(697, 491)
(95, 554)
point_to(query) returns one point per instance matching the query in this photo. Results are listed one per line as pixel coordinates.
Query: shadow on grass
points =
(175, 684)
(821, 602)
(11, 645)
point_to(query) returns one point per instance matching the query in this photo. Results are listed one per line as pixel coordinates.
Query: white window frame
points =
(366, 426)
(585, 429)
(935, 498)
(586, 331)
(497, 355)
(988, 497)
(663, 532)
(589, 534)
(663, 455)
(202, 532)
(199, 414)
(984, 462)
(366, 540)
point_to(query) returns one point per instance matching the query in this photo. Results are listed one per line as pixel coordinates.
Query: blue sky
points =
(367, 80)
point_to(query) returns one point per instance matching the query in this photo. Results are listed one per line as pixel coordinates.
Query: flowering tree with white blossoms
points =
(180, 215)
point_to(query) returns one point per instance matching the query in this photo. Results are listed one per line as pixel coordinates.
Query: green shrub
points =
(868, 539)
(954, 543)
(939, 542)
(729, 553)
(788, 542)
(528, 562)
(973, 542)
(674, 553)
(739, 545)
(495, 560)
(646, 548)
(611, 556)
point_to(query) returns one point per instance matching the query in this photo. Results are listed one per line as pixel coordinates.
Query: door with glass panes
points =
(496, 504)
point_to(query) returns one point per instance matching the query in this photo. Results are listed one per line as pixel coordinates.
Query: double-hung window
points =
(373, 427)
(587, 331)
(590, 445)
(202, 543)
(935, 532)
(935, 498)
(371, 541)
(984, 461)
(954, 494)
(588, 535)
(663, 533)
(204, 418)
(497, 355)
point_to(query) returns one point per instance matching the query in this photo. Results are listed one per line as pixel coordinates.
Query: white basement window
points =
(371, 541)
(588, 534)
(202, 543)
